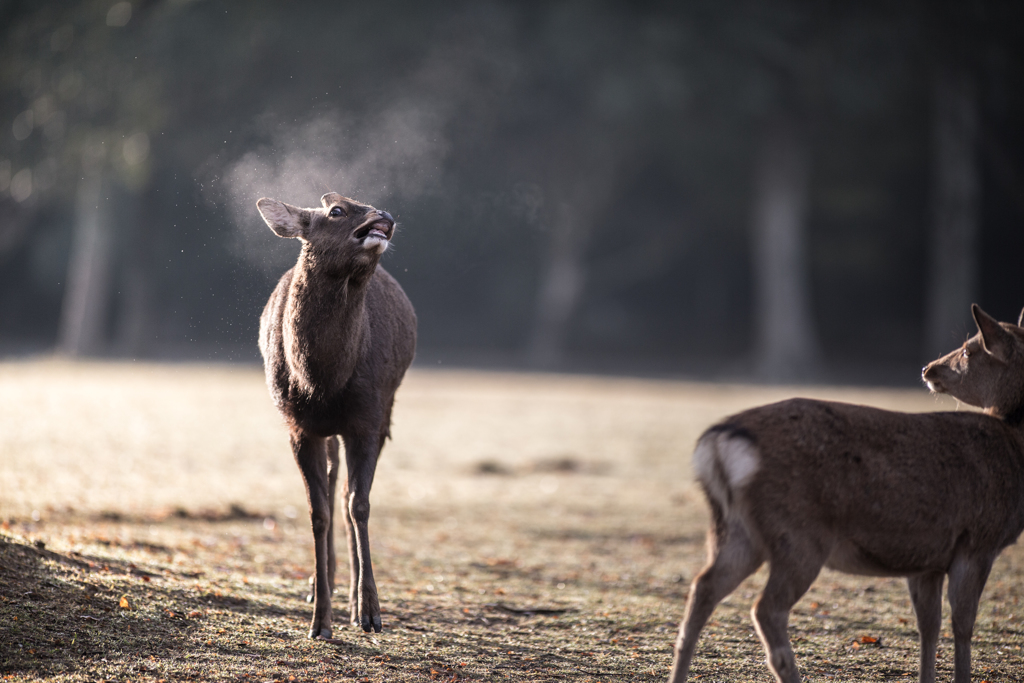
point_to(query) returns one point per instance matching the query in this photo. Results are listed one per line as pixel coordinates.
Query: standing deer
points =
(804, 484)
(337, 336)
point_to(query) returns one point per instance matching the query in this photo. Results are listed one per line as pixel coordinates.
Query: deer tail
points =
(725, 460)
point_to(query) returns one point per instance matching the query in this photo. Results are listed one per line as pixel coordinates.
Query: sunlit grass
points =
(501, 496)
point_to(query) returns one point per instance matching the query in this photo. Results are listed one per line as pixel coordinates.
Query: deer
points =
(805, 484)
(337, 336)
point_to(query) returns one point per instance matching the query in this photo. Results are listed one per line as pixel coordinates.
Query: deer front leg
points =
(967, 577)
(361, 455)
(926, 594)
(311, 456)
(333, 462)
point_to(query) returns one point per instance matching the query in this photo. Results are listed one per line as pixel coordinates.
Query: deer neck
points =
(1008, 403)
(1013, 417)
(326, 324)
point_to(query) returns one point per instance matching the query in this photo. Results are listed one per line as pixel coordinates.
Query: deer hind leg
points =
(792, 571)
(353, 555)
(333, 460)
(733, 557)
(361, 454)
(967, 577)
(926, 594)
(311, 457)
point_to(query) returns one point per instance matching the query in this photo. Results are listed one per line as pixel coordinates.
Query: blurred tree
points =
(955, 208)
(84, 311)
(574, 181)
(88, 101)
(785, 46)
(955, 49)
(786, 346)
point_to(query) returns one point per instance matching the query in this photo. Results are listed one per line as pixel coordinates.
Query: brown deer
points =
(337, 336)
(804, 484)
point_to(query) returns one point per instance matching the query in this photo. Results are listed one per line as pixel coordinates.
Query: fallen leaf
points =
(124, 603)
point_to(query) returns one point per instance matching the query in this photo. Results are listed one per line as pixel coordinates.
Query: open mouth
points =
(378, 229)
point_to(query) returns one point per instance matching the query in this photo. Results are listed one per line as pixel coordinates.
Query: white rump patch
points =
(704, 460)
(724, 464)
(740, 459)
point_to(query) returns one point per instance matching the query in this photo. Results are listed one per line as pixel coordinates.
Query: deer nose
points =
(386, 215)
(930, 372)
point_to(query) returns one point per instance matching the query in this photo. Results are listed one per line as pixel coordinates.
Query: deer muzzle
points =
(936, 376)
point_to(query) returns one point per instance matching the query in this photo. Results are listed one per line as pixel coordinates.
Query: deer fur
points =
(337, 336)
(804, 484)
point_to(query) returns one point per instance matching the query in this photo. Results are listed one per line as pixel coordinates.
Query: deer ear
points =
(330, 198)
(284, 219)
(994, 338)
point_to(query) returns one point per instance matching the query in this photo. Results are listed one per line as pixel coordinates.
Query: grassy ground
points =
(524, 528)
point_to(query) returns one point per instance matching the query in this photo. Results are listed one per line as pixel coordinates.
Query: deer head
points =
(342, 235)
(987, 371)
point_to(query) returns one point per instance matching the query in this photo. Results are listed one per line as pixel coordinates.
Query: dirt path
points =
(524, 528)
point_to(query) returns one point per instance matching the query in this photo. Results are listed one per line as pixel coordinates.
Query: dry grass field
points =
(524, 527)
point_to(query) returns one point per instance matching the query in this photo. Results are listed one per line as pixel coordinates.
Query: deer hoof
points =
(371, 624)
(323, 632)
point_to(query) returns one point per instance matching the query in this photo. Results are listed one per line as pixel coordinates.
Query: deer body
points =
(886, 493)
(326, 357)
(337, 336)
(804, 484)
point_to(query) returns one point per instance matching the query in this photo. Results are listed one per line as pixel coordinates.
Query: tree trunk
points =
(134, 298)
(560, 288)
(954, 211)
(786, 343)
(83, 312)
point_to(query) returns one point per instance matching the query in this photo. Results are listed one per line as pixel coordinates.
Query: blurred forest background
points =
(774, 190)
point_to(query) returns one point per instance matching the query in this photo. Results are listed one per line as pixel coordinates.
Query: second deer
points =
(808, 484)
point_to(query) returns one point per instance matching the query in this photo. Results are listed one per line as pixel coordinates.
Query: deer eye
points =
(965, 354)
(337, 211)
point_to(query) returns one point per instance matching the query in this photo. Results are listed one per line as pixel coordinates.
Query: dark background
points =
(579, 186)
